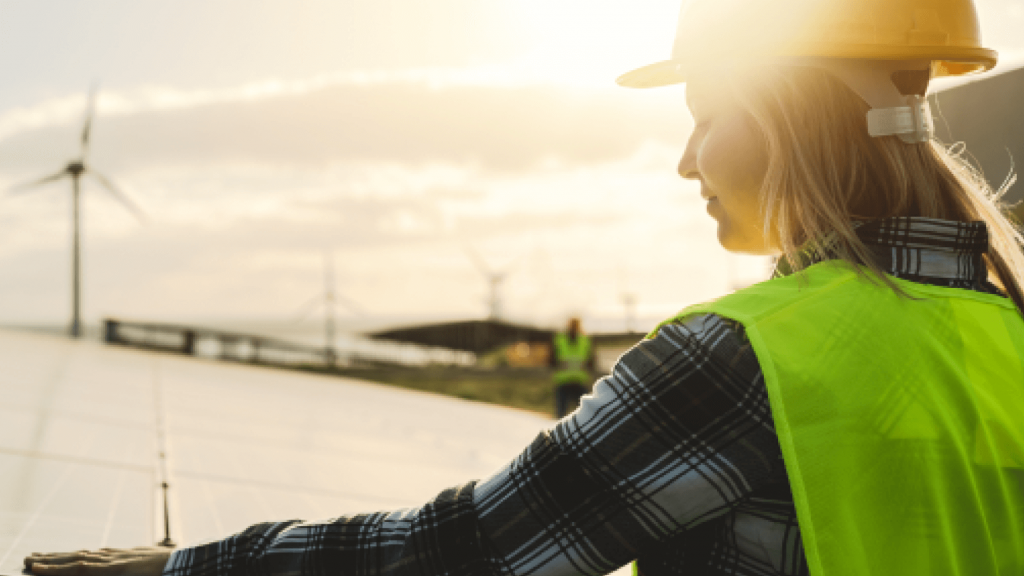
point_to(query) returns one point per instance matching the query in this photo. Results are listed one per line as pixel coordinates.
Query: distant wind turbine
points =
(328, 299)
(75, 169)
(629, 302)
(628, 296)
(495, 279)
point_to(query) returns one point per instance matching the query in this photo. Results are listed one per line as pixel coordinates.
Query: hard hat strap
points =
(912, 123)
(892, 112)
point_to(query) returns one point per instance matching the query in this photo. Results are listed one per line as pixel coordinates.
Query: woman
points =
(856, 415)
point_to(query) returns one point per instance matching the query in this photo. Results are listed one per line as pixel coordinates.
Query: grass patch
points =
(522, 388)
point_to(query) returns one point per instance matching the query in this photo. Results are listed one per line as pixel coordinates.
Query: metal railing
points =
(208, 342)
(257, 349)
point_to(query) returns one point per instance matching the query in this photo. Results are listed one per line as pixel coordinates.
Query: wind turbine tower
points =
(629, 302)
(329, 310)
(329, 299)
(628, 298)
(494, 282)
(75, 169)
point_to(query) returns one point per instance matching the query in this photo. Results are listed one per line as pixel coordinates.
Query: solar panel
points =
(54, 504)
(81, 428)
(76, 458)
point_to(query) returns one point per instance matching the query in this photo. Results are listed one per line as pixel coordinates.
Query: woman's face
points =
(727, 154)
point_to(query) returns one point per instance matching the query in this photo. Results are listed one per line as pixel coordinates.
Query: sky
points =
(392, 137)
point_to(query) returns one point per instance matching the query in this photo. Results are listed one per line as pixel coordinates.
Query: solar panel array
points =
(81, 427)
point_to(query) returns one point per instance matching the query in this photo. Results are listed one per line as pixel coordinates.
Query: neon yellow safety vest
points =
(571, 358)
(901, 420)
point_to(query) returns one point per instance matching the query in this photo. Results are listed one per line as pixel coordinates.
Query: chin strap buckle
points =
(912, 123)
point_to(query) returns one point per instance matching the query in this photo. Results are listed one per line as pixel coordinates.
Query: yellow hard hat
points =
(713, 32)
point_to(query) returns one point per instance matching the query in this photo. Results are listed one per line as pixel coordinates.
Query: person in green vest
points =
(572, 358)
(897, 399)
(861, 413)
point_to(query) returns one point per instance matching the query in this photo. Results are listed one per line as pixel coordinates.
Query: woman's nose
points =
(688, 163)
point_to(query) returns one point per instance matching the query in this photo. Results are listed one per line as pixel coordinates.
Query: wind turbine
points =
(75, 169)
(629, 302)
(328, 299)
(495, 278)
(628, 297)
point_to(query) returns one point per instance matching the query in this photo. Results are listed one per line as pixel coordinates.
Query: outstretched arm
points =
(441, 537)
(676, 436)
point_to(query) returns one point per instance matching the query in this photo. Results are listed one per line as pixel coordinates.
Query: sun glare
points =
(581, 42)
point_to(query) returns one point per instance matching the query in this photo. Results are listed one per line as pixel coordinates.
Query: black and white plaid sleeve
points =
(439, 538)
(676, 436)
(679, 434)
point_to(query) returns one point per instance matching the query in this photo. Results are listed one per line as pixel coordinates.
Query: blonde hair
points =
(825, 173)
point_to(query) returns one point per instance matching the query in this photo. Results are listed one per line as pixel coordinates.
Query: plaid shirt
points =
(673, 460)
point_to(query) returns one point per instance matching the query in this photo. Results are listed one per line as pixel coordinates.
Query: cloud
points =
(268, 269)
(227, 248)
(494, 127)
(71, 108)
(245, 190)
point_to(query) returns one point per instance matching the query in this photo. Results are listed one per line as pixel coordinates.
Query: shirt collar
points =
(928, 250)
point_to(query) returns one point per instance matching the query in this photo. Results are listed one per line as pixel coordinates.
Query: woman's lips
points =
(713, 201)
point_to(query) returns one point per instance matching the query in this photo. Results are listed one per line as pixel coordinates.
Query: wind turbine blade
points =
(511, 266)
(350, 304)
(119, 195)
(329, 272)
(309, 307)
(90, 110)
(29, 185)
(478, 261)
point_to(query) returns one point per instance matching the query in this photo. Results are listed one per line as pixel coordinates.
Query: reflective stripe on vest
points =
(901, 420)
(571, 357)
